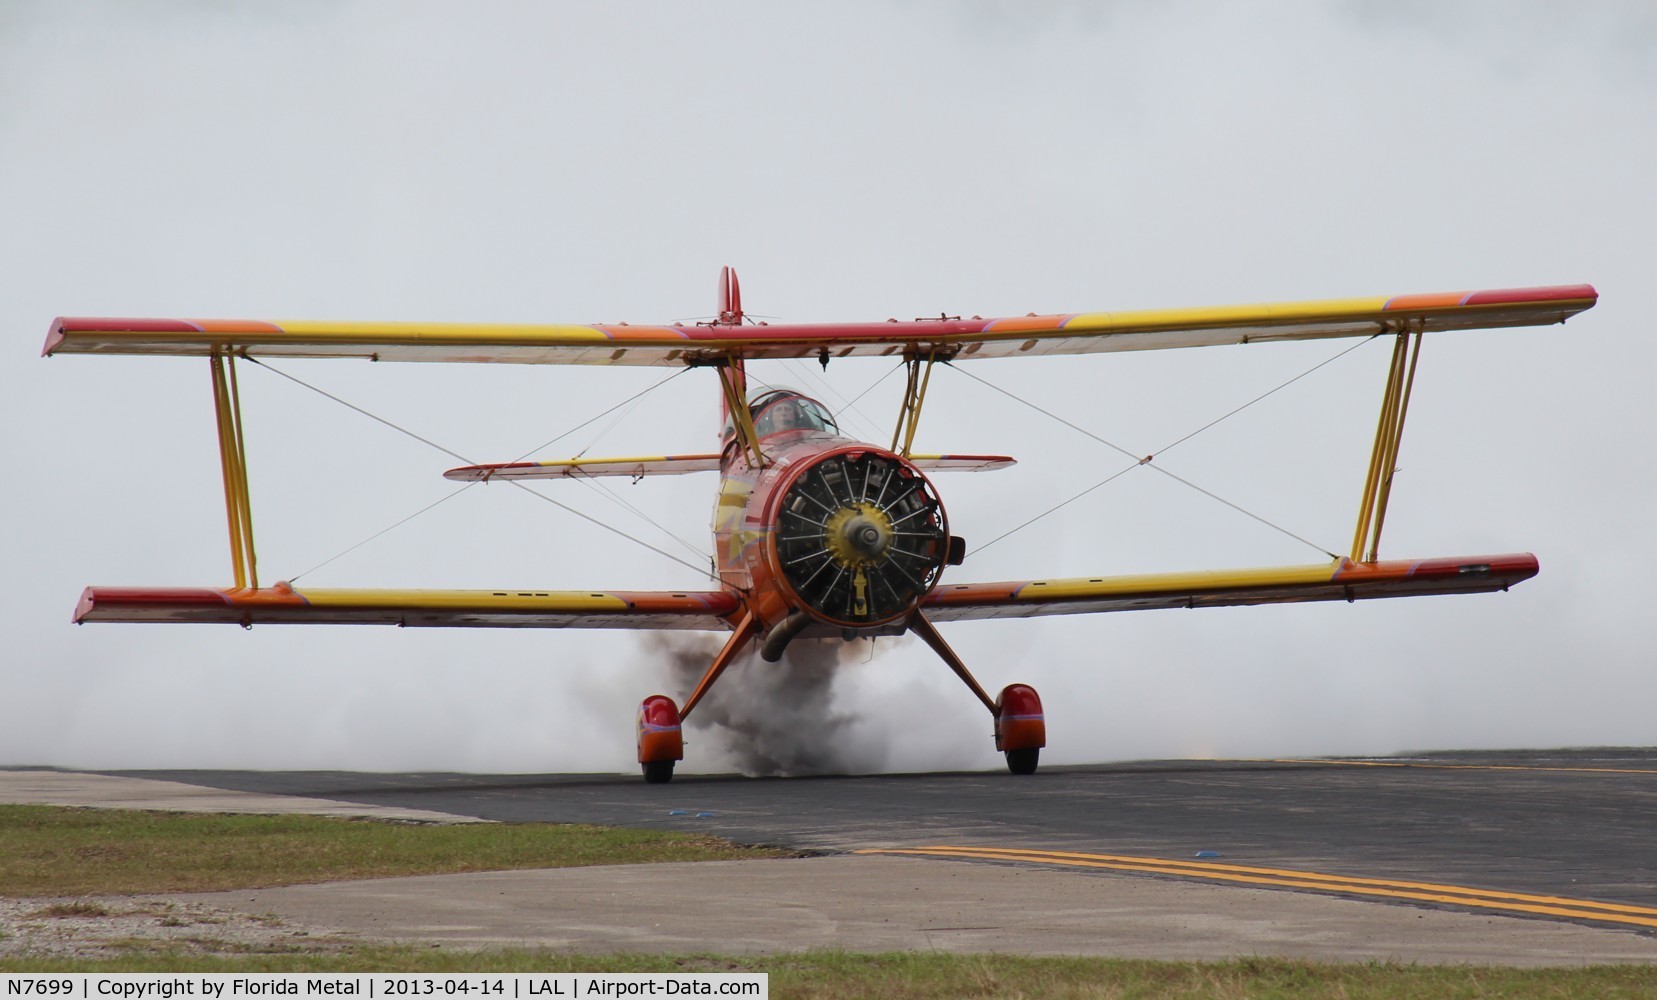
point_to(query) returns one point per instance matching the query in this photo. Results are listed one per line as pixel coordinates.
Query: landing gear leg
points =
(1020, 726)
(660, 735)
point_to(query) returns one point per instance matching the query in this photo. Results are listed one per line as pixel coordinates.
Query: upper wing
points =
(1344, 580)
(707, 610)
(1075, 333)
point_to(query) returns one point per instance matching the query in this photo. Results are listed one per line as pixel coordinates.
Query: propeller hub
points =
(869, 537)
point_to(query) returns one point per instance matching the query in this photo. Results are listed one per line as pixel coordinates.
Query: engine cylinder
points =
(860, 538)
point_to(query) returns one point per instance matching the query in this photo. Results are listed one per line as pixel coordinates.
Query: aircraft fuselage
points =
(849, 534)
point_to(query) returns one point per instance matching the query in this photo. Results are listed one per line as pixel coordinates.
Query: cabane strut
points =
(914, 397)
(734, 380)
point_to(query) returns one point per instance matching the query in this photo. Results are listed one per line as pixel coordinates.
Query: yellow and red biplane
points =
(815, 534)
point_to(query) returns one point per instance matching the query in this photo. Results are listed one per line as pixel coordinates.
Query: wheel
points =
(1023, 761)
(659, 739)
(1020, 727)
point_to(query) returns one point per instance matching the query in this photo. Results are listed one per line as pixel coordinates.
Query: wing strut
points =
(1383, 459)
(238, 506)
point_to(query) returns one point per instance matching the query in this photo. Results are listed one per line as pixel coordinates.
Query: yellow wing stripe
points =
(1193, 581)
(1142, 321)
(466, 600)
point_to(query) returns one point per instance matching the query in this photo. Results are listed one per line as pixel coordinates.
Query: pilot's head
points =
(788, 416)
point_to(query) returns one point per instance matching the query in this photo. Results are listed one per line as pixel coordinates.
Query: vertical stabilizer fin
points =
(730, 298)
(730, 314)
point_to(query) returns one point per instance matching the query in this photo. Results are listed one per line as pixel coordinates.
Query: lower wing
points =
(1343, 580)
(706, 610)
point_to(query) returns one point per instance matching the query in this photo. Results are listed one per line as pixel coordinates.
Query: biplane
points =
(815, 535)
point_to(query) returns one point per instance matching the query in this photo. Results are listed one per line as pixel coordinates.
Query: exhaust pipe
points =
(782, 635)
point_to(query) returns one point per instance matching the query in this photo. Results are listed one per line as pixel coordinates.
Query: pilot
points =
(789, 417)
(784, 415)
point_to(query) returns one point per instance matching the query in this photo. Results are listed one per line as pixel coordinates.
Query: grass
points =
(931, 976)
(55, 851)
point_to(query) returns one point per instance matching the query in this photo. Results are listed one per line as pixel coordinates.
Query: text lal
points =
(618, 988)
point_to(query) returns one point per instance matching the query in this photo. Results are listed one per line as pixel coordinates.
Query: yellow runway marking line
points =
(1516, 902)
(1456, 767)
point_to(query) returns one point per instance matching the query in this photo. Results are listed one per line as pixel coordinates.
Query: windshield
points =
(781, 410)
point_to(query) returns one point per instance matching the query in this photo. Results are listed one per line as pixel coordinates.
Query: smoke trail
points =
(773, 718)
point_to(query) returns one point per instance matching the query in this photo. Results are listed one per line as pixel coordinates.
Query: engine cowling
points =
(859, 538)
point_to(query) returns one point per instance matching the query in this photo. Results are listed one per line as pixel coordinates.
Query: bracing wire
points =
(590, 481)
(1064, 503)
(1247, 513)
(597, 484)
(352, 406)
(600, 416)
(1227, 416)
(386, 530)
(701, 570)
(863, 424)
(1147, 460)
(872, 385)
(1049, 413)
(607, 428)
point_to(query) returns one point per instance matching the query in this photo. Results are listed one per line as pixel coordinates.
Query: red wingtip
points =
(54, 337)
(83, 607)
(1544, 293)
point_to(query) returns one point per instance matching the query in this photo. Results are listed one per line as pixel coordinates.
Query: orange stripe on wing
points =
(1431, 300)
(234, 326)
(1021, 324)
(647, 333)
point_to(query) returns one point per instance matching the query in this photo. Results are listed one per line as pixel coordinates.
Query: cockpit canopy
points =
(779, 410)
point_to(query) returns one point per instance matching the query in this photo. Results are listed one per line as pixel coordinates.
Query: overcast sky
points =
(519, 162)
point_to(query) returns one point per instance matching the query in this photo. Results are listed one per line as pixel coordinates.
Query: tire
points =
(1023, 761)
(657, 772)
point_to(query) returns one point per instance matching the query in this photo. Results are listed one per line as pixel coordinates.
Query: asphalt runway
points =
(1564, 834)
